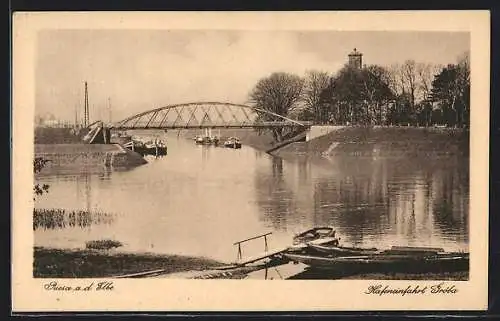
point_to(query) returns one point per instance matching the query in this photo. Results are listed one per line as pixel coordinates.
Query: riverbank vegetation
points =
(409, 94)
(57, 218)
(102, 244)
(38, 165)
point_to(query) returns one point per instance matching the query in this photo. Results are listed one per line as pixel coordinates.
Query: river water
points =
(199, 200)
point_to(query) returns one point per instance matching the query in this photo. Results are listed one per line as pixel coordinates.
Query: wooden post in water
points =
(240, 255)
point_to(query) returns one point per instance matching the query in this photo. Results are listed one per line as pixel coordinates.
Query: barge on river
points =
(152, 147)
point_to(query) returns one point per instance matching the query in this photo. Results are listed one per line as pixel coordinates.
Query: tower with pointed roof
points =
(355, 59)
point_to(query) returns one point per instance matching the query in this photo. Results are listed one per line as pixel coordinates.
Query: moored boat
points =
(156, 147)
(301, 242)
(384, 262)
(232, 142)
(315, 234)
(333, 248)
(206, 140)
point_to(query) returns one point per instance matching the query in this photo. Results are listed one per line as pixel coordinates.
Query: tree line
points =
(409, 94)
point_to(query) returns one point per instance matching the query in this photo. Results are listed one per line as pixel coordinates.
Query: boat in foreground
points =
(314, 234)
(332, 248)
(301, 242)
(385, 262)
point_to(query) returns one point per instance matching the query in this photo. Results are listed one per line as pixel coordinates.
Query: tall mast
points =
(86, 113)
(76, 115)
(109, 109)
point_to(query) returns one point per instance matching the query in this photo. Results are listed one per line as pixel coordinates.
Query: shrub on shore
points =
(102, 244)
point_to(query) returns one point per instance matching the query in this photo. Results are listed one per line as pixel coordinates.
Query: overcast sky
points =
(141, 70)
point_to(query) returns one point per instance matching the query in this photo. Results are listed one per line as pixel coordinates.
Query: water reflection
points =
(371, 202)
(199, 200)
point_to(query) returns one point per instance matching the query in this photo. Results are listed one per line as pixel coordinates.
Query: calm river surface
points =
(199, 200)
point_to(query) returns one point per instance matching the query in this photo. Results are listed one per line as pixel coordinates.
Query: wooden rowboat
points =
(342, 250)
(316, 233)
(332, 248)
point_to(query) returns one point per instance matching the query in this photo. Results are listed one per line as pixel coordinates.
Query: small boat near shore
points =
(315, 234)
(318, 236)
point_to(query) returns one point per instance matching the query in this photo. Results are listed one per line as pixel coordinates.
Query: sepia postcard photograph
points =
(237, 161)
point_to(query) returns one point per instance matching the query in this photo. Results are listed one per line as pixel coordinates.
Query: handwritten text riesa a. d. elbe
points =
(93, 286)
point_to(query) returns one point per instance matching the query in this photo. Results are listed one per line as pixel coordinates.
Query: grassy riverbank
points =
(361, 139)
(384, 141)
(68, 263)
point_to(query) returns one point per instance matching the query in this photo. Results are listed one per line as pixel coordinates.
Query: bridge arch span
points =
(206, 115)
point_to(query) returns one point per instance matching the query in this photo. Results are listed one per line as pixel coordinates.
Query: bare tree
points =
(395, 79)
(463, 87)
(451, 92)
(409, 73)
(377, 92)
(464, 75)
(279, 93)
(412, 83)
(426, 74)
(314, 85)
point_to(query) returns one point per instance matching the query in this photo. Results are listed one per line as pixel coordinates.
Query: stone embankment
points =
(86, 155)
(64, 148)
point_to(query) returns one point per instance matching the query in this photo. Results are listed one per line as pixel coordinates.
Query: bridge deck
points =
(198, 126)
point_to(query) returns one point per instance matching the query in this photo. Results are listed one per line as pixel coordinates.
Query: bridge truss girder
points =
(206, 115)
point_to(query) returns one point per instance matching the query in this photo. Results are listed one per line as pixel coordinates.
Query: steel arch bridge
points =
(206, 115)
